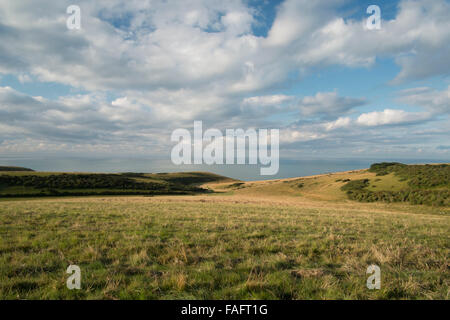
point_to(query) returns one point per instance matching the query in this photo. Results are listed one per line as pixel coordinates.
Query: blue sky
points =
(137, 70)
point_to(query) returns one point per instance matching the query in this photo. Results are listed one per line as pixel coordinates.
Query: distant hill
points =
(383, 182)
(397, 182)
(5, 168)
(386, 182)
(75, 184)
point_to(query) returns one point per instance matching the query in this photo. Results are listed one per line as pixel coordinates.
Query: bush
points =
(355, 185)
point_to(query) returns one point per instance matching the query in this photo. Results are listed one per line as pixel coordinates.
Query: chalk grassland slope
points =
(415, 184)
(387, 182)
(20, 184)
(220, 247)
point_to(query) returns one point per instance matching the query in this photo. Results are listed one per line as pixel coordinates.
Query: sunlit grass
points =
(163, 248)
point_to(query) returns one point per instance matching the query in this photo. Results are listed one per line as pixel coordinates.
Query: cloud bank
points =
(145, 68)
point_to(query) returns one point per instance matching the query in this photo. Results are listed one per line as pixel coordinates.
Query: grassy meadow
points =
(300, 238)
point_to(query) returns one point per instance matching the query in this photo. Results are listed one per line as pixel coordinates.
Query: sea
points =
(288, 168)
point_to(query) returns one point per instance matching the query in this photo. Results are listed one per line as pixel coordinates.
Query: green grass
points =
(178, 248)
(388, 182)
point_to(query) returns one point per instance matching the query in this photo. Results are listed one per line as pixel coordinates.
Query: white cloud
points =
(417, 38)
(268, 100)
(292, 135)
(390, 116)
(328, 104)
(168, 63)
(341, 122)
(237, 22)
(435, 101)
(166, 46)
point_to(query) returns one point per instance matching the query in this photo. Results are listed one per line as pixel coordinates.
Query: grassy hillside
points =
(385, 182)
(219, 247)
(396, 182)
(63, 184)
(5, 168)
(299, 238)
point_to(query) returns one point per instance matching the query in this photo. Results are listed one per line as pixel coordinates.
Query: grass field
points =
(296, 238)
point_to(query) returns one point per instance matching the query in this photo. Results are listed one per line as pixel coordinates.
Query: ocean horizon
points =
(288, 168)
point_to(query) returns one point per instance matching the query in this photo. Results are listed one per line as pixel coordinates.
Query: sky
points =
(137, 70)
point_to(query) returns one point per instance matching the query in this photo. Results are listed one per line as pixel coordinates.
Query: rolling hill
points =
(38, 184)
(389, 183)
(14, 169)
(298, 238)
(385, 182)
